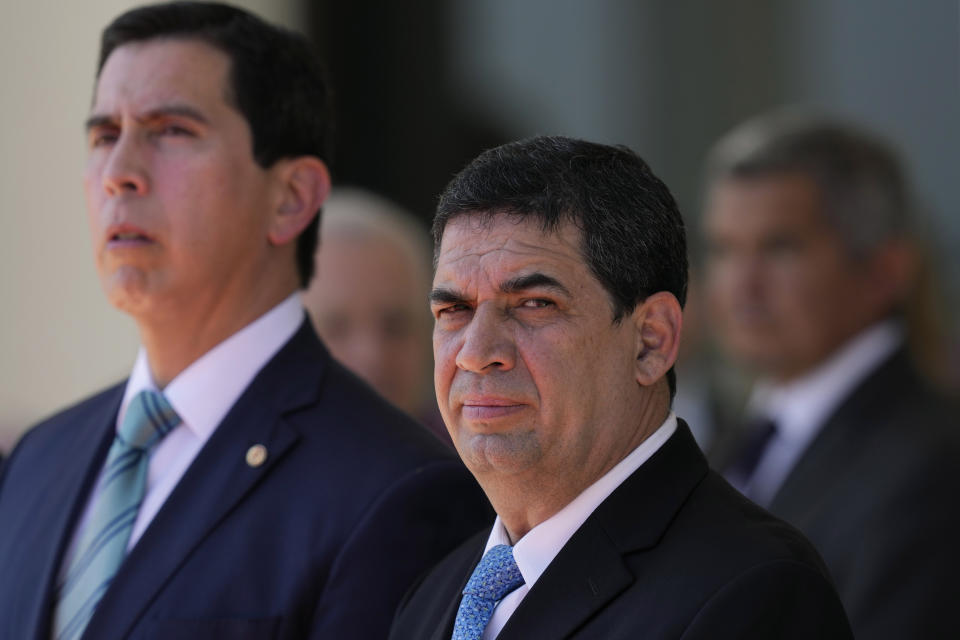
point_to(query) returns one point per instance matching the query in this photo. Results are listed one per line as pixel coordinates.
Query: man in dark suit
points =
(810, 271)
(241, 483)
(560, 274)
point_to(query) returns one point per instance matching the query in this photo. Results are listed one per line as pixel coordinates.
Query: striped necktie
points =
(495, 576)
(103, 542)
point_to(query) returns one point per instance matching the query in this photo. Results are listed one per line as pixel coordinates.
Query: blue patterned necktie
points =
(495, 576)
(103, 542)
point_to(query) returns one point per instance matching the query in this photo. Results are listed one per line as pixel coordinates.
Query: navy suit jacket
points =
(353, 502)
(673, 552)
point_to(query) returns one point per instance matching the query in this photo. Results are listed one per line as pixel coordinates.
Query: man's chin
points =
(500, 453)
(127, 290)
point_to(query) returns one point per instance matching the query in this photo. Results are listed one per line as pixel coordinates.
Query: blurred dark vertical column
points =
(722, 62)
(399, 131)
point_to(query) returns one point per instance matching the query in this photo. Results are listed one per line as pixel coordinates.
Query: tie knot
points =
(495, 576)
(149, 418)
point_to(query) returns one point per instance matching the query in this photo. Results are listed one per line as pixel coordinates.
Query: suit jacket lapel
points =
(216, 482)
(587, 574)
(69, 489)
(448, 617)
(809, 483)
(591, 570)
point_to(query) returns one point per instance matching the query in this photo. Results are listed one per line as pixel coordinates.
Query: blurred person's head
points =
(368, 300)
(806, 224)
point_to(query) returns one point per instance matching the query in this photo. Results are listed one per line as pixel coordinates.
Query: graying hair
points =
(864, 189)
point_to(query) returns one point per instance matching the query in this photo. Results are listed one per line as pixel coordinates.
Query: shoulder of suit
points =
(348, 399)
(731, 530)
(446, 578)
(96, 402)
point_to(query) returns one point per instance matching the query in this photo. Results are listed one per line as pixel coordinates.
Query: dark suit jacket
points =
(674, 552)
(321, 541)
(876, 493)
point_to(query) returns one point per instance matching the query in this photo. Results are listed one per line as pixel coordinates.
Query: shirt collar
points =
(800, 406)
(204, 392)
(536, 550)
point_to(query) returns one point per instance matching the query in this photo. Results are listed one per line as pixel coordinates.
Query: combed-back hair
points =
(632, 235)
(861, 183)
(276, 81)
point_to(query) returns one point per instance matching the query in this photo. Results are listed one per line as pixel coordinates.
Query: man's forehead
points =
(773, 202)
(503, 247)
(479, 234)
(162, 69)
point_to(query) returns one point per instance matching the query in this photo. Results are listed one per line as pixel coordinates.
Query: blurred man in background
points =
(810, 270)
(368, 300)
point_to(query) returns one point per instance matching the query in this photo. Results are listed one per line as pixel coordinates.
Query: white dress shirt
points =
(536, 550)
(801, 407)
(201, 394)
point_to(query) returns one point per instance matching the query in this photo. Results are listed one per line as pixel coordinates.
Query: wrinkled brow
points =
(102, 119)
(443, 295)
(537, 280)
(534, 280)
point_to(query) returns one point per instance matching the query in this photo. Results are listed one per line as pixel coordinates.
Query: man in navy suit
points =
(287, 500)
(561, 269)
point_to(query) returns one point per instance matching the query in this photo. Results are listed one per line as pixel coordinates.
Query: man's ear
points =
(304, 184)
(894, 268)
(658, 321)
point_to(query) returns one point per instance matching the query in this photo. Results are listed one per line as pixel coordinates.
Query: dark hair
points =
(276, 82)
(633, 237)
(864, 189)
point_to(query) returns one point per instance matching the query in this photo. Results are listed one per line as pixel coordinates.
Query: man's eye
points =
(175, 130)
(101, 138)
(537, 303)
(451, 309)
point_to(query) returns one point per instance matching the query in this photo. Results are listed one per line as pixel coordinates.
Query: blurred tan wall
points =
(59, 339)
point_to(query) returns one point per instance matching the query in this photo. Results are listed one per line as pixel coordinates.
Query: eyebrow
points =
(534, 280)
(442, 295)
(537, 280)
(181, 110)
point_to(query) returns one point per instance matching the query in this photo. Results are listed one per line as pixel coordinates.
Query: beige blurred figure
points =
(370, 306)
(814, 282)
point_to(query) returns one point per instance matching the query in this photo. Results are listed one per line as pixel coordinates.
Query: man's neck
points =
(525, 500)
(802, 403)
(172, 344)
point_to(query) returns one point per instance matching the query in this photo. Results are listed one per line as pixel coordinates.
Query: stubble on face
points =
(522, 370)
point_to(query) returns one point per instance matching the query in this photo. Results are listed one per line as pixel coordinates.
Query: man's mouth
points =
(128, 235)
(488, 408)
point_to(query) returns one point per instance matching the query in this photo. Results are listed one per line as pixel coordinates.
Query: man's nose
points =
(125, 169)
(750, 273)
(488, 344)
